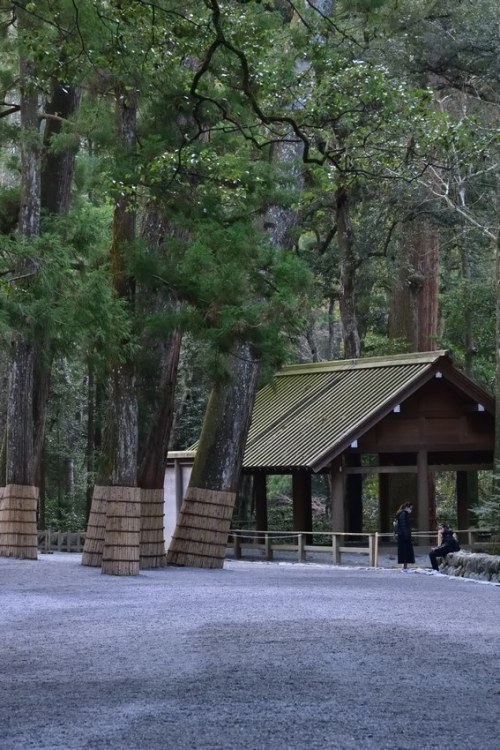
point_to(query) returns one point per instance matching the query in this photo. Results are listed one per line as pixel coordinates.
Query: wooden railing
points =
(270, 542)
(60, 541)
(267, 543)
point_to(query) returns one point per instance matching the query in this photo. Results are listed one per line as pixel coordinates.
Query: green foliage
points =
(487, 510)
(234, 284)
(65, 448)
(474, 299)
(61, 518)
(382, 346)
(221, 88)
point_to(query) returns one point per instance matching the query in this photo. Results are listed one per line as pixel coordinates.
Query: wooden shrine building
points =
(408, 415)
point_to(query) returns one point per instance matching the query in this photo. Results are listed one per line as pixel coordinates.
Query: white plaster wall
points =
(177, 477)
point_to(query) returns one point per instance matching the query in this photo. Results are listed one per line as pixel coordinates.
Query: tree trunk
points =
(156, 406)
(352, 344)
(56, 180)
(31, 353)
(414, 318)
(116, 500)
(201, 533)
(202, 529)
(469, 343)
(90, 446)
(496, 472)
(414, 305)
(334, 331)
(58, 167)
(18, 504)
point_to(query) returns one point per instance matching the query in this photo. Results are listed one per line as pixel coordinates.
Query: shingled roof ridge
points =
(365, 362)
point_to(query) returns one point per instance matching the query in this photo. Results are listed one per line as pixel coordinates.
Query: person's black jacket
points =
(448, 540)
(404, 528)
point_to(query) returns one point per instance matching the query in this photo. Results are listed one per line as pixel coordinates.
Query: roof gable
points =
(310, 413)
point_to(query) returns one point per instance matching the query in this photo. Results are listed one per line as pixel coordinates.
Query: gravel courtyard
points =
(258, 656)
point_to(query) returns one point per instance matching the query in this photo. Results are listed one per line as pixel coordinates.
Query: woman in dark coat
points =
(405, 546)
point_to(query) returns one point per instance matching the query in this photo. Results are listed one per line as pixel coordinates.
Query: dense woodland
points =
(193, 194)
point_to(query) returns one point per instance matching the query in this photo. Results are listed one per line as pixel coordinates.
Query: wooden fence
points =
(264, 544)
(267, 543)
(60, 541)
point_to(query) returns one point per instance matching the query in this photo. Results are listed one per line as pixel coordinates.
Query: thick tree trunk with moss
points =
(31, 351)
(18, 504)
(414, 304)
(56, 180)
(113, 531)
(156, 390)
(201, 533)
(414, 319)
(58, 166)
(204, 521)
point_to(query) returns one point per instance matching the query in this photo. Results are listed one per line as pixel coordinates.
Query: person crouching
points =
(447, 542)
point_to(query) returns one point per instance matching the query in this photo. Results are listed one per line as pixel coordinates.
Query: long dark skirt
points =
(405, 550)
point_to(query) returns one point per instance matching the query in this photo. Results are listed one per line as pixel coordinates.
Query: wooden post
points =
(335, 550)
(302, 507)
(260, 497)
(384, 509)
(373, 549)
(300, 546)
(353, 496)
(236, 546)
(422, 492)
(338, 495)
(268, 547)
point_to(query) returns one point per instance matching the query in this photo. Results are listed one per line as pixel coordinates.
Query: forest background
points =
(185, 183)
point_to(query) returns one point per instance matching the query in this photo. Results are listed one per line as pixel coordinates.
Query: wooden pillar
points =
(385, 513)
(422, 492)
(467, 497)
(338, 495)
(260, 499)
(396, 488)
(354, 496)
(302, 506)
(179, 486)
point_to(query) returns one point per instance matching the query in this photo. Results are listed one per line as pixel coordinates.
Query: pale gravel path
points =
(258, 656)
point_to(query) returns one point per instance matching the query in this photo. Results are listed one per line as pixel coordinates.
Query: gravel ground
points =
(260, 656)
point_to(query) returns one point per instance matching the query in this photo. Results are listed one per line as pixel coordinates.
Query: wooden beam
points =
(412, 469)
(380, 469)
(461, 467)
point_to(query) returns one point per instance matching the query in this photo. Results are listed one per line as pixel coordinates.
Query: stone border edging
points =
(476, 565)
